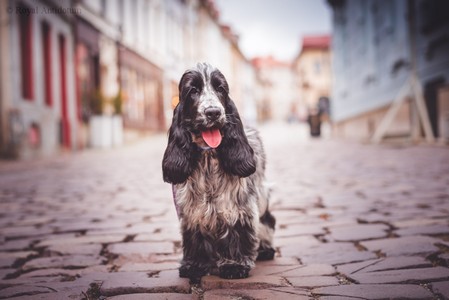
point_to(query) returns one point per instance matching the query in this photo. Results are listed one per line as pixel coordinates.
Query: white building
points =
(38, 108)
(278, 85)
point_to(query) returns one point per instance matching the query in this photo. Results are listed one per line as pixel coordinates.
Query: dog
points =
(216, 167)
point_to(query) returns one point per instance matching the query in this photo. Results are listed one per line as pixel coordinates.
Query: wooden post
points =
(422, 109)
(391, 113)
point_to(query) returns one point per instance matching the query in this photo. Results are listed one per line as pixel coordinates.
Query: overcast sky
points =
(274, 27)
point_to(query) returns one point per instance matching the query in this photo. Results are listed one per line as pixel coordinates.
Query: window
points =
(434, 14)
(317, 67)
(46, 44)
(26, 52)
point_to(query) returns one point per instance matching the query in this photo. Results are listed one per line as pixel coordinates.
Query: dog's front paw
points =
(265, 254)
(230, 271)
(192, 271)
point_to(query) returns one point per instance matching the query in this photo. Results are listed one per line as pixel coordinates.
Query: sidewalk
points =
(354, 221)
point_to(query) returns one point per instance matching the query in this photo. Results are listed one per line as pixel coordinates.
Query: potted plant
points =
(117, 121)
(100, 125)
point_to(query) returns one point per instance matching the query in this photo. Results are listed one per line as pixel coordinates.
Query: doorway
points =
(431, 95)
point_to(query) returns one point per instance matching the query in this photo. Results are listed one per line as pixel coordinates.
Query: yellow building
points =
(312, 71)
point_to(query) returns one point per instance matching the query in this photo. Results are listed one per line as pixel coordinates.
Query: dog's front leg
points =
(197, 255)
(237, 251)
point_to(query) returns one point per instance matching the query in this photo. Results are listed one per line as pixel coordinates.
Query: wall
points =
(376, 44)
(36, 111)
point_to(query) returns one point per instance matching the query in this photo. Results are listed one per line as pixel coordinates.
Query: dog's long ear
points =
(179, 158)
(235, 154)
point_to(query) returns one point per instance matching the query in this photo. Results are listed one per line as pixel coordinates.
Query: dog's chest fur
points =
(212, 199)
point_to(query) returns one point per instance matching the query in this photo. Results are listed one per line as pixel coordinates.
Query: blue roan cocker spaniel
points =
(217, 171)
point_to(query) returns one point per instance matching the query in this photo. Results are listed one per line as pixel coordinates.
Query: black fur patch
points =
(268, 219)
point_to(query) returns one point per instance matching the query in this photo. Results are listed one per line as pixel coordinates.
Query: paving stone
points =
(37, 281)
(152, 258)
(23, 290)
(286, 214)
(136, 267)
(423, 230)
(373, 291)
(85, 249)
(168, 274)
(155, 296)
(270, 270)
(7, 259)
(15, 245)
(312, 281)
(6, 262)
(264, 294)
(34, 220)
(402, 276)
(24, 231)
(384, 264)
(83, 225)
(73, 287)
(354, 267)
(74, 261)
(137, 229)
(329, 253)
(444, 259)
(158, 237)
(97, 239)
(418, 222)
(52, 272)
(294, 240)
(17, 254)
(141, 248)
(279, 261)
(253, 282)
(309, 270)
(131, 283)
(4, 272)
(339, 298)
(51, 296)
(404, 245)
(441, 288)
(358, 232)
(296, 230)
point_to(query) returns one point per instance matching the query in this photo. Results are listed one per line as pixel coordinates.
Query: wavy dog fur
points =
(220, 193)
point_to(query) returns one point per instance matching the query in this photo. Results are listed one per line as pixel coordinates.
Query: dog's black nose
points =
(212, 113)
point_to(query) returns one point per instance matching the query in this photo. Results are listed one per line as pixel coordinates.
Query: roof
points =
(316, 42)
(268, 62)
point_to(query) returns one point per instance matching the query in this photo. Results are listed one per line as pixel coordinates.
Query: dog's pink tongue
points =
(212, 137)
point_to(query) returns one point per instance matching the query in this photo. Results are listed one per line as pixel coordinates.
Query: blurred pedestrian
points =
(314, 120)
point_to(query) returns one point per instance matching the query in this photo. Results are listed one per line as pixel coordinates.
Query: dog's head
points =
(203, 95)
(206, 119)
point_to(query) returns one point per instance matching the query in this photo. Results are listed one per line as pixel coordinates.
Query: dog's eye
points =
(194, 91)
(221, 89)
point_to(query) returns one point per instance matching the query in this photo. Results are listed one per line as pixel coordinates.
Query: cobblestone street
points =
(355, 221)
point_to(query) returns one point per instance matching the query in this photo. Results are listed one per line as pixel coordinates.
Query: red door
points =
(65, 125)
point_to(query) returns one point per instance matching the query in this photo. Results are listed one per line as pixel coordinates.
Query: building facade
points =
(63, 63)
(277, 84)
(38, 108)
(376, 47)
(312, 73)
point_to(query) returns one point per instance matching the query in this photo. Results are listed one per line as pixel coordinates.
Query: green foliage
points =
(97, 102)
(117, 102)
